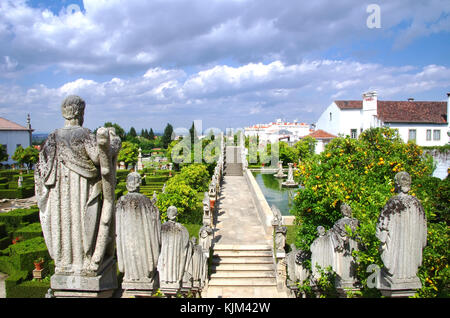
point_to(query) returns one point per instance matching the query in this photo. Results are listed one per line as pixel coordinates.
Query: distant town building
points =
(290, 132)
(13, 135)
(424, 122)
(322, 137)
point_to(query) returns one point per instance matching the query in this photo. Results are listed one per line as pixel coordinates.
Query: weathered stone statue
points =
(207, 216)
(402, 230)
(296, 269)
(280, 240)
(205, 239)
(138, 238)
(290, 179)
(197, 265)
(187, 281)
(172, 259)
(140, 165)
(321, 253)
(75, 183)
(344, 245)
(280, 173)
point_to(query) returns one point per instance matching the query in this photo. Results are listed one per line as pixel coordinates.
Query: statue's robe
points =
(296, 272)
(197, 266)
(68, 188)
(172, 258)
(138, 237)
(343, 246)
(402, 230)
(322, 254)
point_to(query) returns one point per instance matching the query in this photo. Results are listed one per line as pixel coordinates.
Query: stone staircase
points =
(233, 164)
(243, 271)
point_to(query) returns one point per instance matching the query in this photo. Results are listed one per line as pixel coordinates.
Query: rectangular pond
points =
(275, 194)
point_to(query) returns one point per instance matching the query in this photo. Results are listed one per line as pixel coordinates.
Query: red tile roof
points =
(404, 111)
(321, 134)
(6, 124)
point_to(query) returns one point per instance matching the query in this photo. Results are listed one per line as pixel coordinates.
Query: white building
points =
(279, 130)
(424, 122)
(13, 135)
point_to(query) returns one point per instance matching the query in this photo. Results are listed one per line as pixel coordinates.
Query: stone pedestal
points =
(391, 287)
(38, 274)
(100, 286)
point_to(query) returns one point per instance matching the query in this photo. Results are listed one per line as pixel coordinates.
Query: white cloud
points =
(118, 37)
(225, 96)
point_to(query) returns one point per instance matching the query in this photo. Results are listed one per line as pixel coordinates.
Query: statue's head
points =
(133, 182)
(194, 240)
(321, 230)
(402, 182)
(73, 108)
(172, 213)
(346, 210)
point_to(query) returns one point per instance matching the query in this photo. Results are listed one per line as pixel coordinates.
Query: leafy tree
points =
(287, 154)
(128, 153)
(180, 195)
(3, 154)
(305, 147)
(195, 175)
(359, 172)
(167, 136)
(27, 156)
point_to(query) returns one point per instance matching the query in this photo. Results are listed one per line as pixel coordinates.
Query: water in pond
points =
(275, 194)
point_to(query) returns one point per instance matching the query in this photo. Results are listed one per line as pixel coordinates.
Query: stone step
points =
(254, 247)
(243, 267)
(242, 253)
(243, 273)
(242, 260)
(243, 281)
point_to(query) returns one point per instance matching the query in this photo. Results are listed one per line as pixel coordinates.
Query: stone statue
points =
(277, 217)
(187, 281)
(197, 265)
(140, 165)
(402, 230)
(280, 240)
(75, 183)
(296, 269)
(172, 259)
(205, 239)
(290, 179)
(280, 173)
(138, 237)
(207, 216)
(321, 253)
(344, 245)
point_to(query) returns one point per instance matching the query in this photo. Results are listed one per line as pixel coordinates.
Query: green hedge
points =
(13, 219)
(30, 231)
(28, 289)
(24, 253)
(16, 193)
(3, 231)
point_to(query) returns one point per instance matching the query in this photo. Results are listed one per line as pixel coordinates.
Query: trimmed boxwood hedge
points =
(28, 289)
(23, 253)
(14, 218)
(30, 231)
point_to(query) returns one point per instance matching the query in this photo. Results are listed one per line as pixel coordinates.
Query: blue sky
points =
(229, 63)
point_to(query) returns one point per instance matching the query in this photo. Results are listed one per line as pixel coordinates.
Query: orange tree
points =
(360, 172)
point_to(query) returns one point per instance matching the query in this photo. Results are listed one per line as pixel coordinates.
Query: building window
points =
(428, 134)
(331, 116)
(436, 135)
(354, 133)
(412, 135)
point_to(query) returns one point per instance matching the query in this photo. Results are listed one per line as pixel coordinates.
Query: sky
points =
(228, 63)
